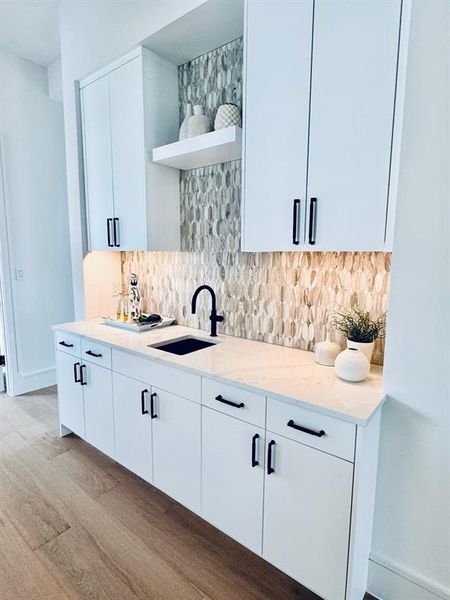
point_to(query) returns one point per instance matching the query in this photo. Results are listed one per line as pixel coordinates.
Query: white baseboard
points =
(22, 383)
(389, 580)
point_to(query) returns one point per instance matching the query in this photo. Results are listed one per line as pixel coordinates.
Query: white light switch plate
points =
(20, 274)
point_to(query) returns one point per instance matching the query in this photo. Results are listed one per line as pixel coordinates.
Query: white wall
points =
(37, 224)
(92, 35)
(411, 547)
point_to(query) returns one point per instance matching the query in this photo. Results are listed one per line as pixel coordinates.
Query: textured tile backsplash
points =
(280, 297)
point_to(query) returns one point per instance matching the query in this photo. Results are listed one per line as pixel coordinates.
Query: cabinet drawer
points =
(179, 382)
(338, 437)
(69, 343)
(96, 353)
(249, 407)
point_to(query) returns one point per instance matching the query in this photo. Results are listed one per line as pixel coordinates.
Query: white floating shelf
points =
(202, 150)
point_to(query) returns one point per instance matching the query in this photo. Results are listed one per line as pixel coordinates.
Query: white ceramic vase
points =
(326, 353)
(198, 124)
(365, 347)
(352, 365)
(226, 116)
(184, 125)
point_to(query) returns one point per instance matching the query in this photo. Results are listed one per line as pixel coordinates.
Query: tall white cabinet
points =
(127, 109)
(320, 102)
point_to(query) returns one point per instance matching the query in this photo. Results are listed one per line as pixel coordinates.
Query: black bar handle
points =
(76, 378)
(255, 461)
(108, 231)
(116, 232)
(93, 354)
(65, 344)
(312, 221)
(270, 469)
(320, 433)
(295, 239)
(153, 415)
(143, 408)
(82, 379)
(220, 398)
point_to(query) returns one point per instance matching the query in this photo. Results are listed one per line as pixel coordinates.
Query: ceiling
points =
(30, 29)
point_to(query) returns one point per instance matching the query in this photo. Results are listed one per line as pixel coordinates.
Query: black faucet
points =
(214, 317)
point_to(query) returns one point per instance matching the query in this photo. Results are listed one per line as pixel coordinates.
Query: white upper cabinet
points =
(277, 74)
(352, 108)
(127, 109)
(319, 111)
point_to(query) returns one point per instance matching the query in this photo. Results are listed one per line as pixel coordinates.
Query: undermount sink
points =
(184, 345)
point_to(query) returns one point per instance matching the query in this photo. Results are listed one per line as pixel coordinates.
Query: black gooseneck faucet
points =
(214, 317)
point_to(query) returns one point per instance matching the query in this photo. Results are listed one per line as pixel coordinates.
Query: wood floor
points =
(74, 525)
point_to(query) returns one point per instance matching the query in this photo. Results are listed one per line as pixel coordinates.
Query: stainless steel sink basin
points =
(184, 345)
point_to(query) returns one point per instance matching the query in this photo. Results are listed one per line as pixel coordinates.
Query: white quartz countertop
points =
(275, 371)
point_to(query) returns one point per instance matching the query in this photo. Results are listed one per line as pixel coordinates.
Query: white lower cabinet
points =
(177, 448)
(133, 425)
(233, 477)
(70, 393)
(98, 407)
(307, 510)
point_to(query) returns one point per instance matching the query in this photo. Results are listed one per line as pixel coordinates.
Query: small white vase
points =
(226, 116)
(365, 347)
(326, 353)
(184, 125)
(198, 124)
(352, 365)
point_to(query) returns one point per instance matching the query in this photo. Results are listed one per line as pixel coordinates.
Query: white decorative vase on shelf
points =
(352, 365)
(198, 124)
(184, 125)
(227, 115)
(326, 353)
(365, 347)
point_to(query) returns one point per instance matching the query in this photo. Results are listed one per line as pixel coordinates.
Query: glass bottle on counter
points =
(125, 309)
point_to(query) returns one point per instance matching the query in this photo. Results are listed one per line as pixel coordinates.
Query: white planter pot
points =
(352, 365)
(227, 115)
(365, 347)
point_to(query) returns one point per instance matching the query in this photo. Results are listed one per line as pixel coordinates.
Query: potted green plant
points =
(359, 328)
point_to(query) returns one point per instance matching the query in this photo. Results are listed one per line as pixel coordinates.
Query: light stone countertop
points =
(275, 371)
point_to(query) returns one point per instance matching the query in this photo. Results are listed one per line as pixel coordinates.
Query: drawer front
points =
(69, 343)
(96, 353)
(338, 437)
(234, 401)
(179, 382)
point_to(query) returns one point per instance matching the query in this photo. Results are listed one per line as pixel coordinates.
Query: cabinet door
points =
(70, 393)
(277, 72)
(307, 515)
(233, 477)
(176, 448)
(98, 407)
(352, 109)
(97, 161)
(128, 155)
(132, 425)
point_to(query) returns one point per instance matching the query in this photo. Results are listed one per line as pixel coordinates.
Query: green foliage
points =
(357, 324)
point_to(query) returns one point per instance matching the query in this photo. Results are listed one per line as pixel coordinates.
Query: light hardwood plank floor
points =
(75, 525)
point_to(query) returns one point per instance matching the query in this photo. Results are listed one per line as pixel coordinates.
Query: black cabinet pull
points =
(295, 216)
(312, 221)
(65, 344)
(108, 231)
(76, 378)
(93, 354)
(270, 469)
(305, 429)
(116, 232)
(82, 379)
(255, 461)
(143, 408)
(220, 398)
(153, 415)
